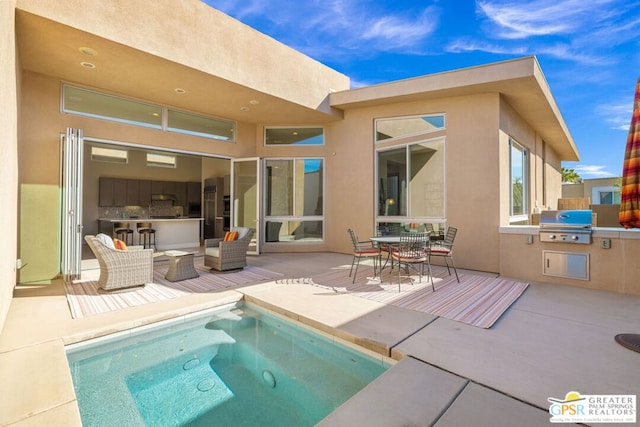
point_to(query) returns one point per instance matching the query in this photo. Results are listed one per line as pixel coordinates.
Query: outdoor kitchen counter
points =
(612, 257)
(602, 232)
(171, 233)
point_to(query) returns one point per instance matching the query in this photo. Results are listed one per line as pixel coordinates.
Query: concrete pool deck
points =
(552, 340)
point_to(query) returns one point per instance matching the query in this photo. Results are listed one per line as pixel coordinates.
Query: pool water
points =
(240, 366)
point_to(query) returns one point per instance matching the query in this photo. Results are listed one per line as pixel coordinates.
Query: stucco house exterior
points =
(486, 148)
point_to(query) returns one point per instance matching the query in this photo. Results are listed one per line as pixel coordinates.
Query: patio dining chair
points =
(362, 250)
(444, 249)
(411, 253)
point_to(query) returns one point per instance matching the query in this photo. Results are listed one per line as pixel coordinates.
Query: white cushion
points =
(106, 240)
(215, 252)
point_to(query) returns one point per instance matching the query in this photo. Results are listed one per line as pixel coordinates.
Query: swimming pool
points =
(239, 365)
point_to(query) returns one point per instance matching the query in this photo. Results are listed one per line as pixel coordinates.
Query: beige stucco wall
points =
(9, 90)
(471, 145)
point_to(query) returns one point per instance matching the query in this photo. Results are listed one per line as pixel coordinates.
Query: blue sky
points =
(589, 50)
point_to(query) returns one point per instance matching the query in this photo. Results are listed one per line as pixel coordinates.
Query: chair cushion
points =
(367, 252)
(106, 240)
(120, 245)
(439, 250)
(230, 236)
(403, 256)
(214, 252)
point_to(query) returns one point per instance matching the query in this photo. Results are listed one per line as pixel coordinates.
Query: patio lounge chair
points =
(121, 269)
(444, 249)
(224, 255)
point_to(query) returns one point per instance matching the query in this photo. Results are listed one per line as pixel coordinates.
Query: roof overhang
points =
(520, 82)
(146, 49)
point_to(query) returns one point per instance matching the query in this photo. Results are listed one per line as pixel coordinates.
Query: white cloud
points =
(321, 28)
(592, 171)
(617, 116)
(515, 19)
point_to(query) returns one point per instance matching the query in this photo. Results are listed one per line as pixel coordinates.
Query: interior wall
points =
(9, 89)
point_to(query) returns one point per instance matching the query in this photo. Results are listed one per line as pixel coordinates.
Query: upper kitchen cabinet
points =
(163, 187)
(194, 192)
(144, 195)
(180, 191)
(112, 192)
(133, 192)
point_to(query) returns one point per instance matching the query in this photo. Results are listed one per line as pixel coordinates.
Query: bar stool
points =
(122, 231)
(145, 232)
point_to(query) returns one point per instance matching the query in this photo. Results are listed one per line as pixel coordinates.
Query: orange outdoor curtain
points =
(630, 194)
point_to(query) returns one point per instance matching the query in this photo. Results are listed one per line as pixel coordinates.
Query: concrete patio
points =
(552, 340)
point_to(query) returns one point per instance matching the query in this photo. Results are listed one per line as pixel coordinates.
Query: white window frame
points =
(524, 216)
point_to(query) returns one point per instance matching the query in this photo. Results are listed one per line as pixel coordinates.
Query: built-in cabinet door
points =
(194, 194)
(105, 193)
(112, 192)
(180, 192)
(133, 192)
(119, 192)
(144, 192)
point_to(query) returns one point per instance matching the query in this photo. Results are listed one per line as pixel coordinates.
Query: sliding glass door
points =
(245, 197)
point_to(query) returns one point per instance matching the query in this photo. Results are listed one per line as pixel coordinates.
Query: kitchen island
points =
(171, 233)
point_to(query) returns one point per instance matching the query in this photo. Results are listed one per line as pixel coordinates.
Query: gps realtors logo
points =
(577, 408)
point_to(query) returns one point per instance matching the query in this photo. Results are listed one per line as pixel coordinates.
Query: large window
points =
(294, 210)
(519, 182)
(294, 136)
(398, 127)
(98, 105)
(410, 183)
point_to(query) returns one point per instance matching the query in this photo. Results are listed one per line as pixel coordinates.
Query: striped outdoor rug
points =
(85, 300)
(477, 300)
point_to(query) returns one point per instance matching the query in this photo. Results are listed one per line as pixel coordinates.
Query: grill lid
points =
(566, 219)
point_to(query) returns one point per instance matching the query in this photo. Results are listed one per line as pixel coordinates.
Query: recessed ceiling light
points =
(254, 102)
(244, 108)
(180, 90)
(88, 51)
(87, 65)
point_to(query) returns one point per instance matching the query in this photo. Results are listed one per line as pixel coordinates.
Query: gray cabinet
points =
(133, 192)
(144, 192)
(180, 191)
(112, 192)
(194, 192)
(137, 192)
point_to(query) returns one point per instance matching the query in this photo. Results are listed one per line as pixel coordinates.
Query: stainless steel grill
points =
(566, 226)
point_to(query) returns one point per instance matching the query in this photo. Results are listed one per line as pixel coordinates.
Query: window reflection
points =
(406, 126)
(294, 205)
(411, 180)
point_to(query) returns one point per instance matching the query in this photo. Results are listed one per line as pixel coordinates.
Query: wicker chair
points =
(229, 255)
(121, 269)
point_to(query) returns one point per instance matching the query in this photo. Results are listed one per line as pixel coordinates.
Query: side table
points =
(180, 266)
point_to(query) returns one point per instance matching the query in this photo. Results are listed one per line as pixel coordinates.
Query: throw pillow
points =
(120, 245)
(106, 240)
(230, 236)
